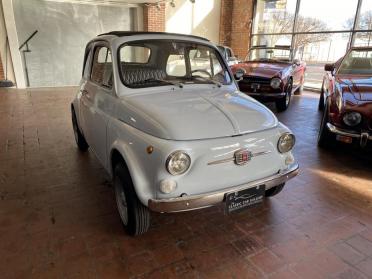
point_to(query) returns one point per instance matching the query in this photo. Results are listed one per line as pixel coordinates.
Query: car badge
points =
(242, 156)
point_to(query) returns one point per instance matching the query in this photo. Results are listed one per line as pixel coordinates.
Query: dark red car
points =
(346, 99)
(271, 75)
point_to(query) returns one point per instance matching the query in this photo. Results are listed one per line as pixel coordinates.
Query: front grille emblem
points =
(242, 156)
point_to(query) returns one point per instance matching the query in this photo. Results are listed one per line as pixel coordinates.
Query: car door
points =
(97, 99)
(297, 72)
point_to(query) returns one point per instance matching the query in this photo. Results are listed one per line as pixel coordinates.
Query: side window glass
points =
(102, 67)
(87, 59)
(176, 65)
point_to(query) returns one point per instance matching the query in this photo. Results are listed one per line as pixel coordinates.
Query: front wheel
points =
(134, 215)
(283, 103)
(321, 99)
(274, 190)
(325, 137)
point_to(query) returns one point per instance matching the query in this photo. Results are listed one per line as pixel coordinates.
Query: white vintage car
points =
(163, 114)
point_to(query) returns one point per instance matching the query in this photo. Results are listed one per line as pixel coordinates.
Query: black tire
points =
(274, 190)
(134, 215)
(283, 103)
(321, 99)
(321, 102)
(79, 138)
(325, 137)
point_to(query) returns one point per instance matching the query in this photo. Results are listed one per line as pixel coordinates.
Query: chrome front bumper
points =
(263, 94)
(209, 199)
(364, 136)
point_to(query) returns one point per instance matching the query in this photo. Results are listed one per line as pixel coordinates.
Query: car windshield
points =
(264, 54)
(150, 63)
(357, 62)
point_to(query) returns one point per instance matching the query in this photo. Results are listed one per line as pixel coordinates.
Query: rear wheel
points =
(325, 137)
(79, 138)
(274, 190)
(283, 103)
(134, 215)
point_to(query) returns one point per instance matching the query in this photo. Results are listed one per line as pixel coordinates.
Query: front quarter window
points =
(164, 62)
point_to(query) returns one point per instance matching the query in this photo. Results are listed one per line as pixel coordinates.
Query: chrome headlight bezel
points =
(286, 142)
(352, 118)
(275, 83)
(177, 156)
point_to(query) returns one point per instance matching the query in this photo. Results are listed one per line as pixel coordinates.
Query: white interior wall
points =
(201, 18)
(64, 28)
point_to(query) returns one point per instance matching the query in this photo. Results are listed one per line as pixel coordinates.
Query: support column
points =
(235, 25)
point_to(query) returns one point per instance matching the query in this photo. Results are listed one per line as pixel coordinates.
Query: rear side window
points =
(135, 54)
(85, 72)
(102, 67)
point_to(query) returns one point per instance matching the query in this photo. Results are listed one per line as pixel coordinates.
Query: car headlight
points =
(178, 162)
(275, 83)
(352, 118)
(286, 142)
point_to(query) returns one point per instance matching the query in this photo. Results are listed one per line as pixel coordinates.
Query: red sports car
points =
(346, 99)
(271, 75)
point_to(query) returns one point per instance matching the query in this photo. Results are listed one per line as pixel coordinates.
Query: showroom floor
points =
(58, 217)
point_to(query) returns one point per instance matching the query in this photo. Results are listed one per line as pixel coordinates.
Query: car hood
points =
(262, 69)
(188, 115)
(359, 86)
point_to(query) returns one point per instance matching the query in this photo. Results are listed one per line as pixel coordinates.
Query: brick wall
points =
(2, 75)
(235, 25)
(154, 18)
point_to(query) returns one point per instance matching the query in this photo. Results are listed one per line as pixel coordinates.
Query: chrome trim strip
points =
(279, 94)
(186, 203)
(232, 158)
(332, 128)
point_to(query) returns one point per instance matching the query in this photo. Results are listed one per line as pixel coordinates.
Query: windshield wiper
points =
(180, 85)
(208, 80)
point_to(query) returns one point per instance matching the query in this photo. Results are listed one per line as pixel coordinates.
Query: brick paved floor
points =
(58, 217)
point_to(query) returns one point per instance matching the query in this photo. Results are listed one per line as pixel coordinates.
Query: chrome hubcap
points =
(121, 201)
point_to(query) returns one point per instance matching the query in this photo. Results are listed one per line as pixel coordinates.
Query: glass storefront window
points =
(365, 16)
(363, 39)
(329, 15)
(271, 40)
(316, 54)
(274, 16)
(323, 31)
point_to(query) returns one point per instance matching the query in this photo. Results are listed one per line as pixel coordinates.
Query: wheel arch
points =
(120, 153)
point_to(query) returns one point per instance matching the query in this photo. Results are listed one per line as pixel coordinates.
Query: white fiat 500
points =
(163, 114)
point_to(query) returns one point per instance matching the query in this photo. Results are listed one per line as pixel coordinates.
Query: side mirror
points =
(232, 59)
(329, 67)
(239, 74)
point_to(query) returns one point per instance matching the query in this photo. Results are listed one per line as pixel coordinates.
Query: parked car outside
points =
(173, 138)
(346, 99)
(272, 75)
(228, 54)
